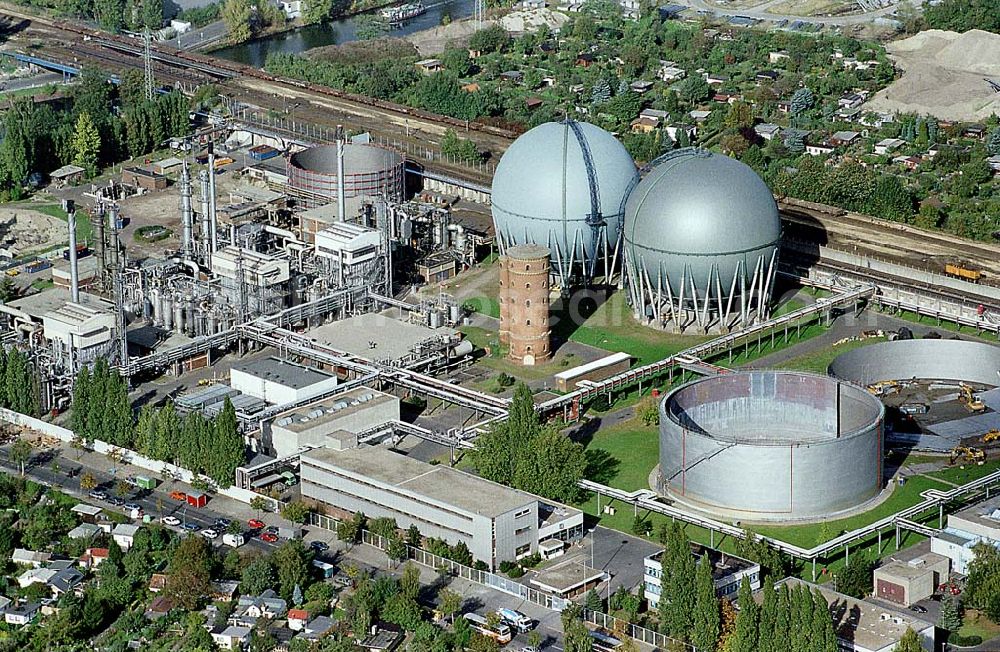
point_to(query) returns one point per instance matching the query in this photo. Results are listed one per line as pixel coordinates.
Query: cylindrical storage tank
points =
(525, 311)
(435, 318)
(454, 313)
(771, 445)
(925, 359)
(167, 312)
(179, 317)
(369, 171)
(545, 188)
(700, 230)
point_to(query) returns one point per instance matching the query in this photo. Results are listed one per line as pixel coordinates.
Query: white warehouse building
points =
(280, 382)
(497, 523)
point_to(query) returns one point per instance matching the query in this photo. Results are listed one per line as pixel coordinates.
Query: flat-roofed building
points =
(906, 582)
(863, 626)
(728, 572)
(280, 382)
(497, 523)
(596, 370)
(323, 423)
(967, 528)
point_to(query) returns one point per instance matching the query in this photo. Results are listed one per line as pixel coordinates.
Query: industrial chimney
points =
(341, 200)
(213, 243)
(74, 272)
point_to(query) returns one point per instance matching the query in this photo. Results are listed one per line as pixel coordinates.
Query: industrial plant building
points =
(819, 440)
(332, 423)
(280, 382)
(907, 582)
(497, 523)
(966, 529)
(728, 572)
(863, 626)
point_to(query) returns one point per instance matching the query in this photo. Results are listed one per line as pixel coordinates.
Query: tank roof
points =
(528, 252)
(359, 158)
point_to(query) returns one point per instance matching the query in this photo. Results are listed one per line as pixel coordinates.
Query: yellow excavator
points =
(968, 454)
(991, 436)
(884, 387)
(968, 399)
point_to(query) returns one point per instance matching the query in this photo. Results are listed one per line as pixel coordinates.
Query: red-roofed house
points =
(93, 557)
(297, 619)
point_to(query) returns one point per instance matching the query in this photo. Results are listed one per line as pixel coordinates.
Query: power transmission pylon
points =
(147, 63)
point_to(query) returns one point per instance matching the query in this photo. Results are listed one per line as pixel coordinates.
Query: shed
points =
(143, 178)
(162, 167)
(67, 175)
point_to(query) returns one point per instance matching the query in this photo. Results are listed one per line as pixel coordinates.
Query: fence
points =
(510, 587)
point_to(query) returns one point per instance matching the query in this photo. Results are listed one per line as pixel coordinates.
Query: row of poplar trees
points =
(786, 620)
(102, 410)
(18, 383)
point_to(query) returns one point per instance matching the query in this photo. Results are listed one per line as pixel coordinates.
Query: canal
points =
(254, 53)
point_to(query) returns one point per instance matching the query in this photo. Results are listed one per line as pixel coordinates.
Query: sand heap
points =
(943, 75)
(529, 20)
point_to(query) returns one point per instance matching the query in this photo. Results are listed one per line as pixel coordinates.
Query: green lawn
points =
(613, 328)
(485, 305)
(630, 451)
(819, 361)
(971, 472)
(808, 536)
(975, 624)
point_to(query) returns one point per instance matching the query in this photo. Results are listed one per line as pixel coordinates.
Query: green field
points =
(819, 361)
(628, 452)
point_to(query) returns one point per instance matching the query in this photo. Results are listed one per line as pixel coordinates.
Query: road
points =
(760, 12)
(35, 81)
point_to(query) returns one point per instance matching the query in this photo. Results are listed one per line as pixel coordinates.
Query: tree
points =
(258, 504)
(295, 511)
(489, 39)
(316, 11)
(744, 638)
(678, 595)
(822, 638)
(951, 615)
(257, 577)
(20, 453)
(855, 579)
(370, 26)
(226, 450)
(552, 468)
(594, 602)
(449, 603)
(396, 549)
(189, 572)
(601, 91)
(706, 626)
(795, 142)
(576, 636)
(982, 587)
(413, 537)
(727, 624)
(87, 481)
(534, 640)
(86, 144)
(291, 563)
(236, 14)
(8, 290)
(694, 89)
(802, 100)
(739, 116)
(910, 642)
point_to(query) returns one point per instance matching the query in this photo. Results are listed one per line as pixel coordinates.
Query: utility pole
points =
(147, 63)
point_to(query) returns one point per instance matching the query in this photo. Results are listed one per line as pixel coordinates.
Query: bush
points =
(152, 233)
(600, 403)
(964, 641)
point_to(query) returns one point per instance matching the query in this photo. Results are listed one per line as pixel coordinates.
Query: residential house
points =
(994, 162)
(850, 100)
(585, 60)
(700, 115)
(317, 628)
(767, 130)
(61, 577)
(887, 145)
(726, 98)
(843, 138)
(156, 582)
(909, 162)
(87, 513)
(5, 604)
(64, 581)
(429, 66)
(974, 131)
(777, 57)
(31, 558)
(22, 614)
(716, 79)
(233, 637)
(512, 76)
(669, 72)
(93, 557)
(674, 131)
(84, 531)
(849, 114)
(223, 590)
(298, 619)
(532, 4)
(383, 640)
(251, 608)
(124, 535)
(766, 76)
(876, 120)
(819, 149)
(644, 125)
(159, 607)
(533, 103)
(641, 86)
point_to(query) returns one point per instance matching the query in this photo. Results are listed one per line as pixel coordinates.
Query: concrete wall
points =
(926, 359)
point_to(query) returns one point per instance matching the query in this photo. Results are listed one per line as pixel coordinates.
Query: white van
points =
(234, 540)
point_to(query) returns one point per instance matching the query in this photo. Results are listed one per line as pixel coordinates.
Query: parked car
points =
(98, 495)
(917, 608)
(178, 495)
(268, 537)
(191, 527)
(210, 534)
(319, 546)
(170, 520)
(116, 501)
(131, 506)
(223, 522)
(255, 523)
(271, 529)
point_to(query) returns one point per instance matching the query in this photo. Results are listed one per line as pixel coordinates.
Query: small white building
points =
(766, 130)
(233, 637)
(887, 145)
(81, 328)
(124, 535)
(669, 72)
(22, 614)
(280, 382)
(349, 250)
(31, 558)
(965, 529)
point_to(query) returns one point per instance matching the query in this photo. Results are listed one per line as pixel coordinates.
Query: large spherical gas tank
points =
(700, 218)
(542, 192)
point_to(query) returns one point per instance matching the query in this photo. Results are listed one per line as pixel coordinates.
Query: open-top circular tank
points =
(771, 445)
